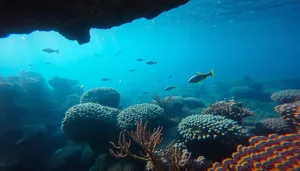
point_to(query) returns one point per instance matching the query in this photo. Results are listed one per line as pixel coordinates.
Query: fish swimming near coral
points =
(169, 88)
(151, 62)
(49, 50)
(199, 77)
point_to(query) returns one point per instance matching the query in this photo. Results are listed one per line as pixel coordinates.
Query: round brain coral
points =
(200, 127)
(286, 96)
(103, 95)
(229, 109)
(84, 121)
(146, 112)
(272, 153)
(272, 126)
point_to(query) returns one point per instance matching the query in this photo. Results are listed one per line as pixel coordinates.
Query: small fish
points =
(169, 76)
(120, 81)
(140, 59)
(169, 88)
(104, 39)
(30, 65)
(199, 77)
(105, 79)
(151, 62)
(131, 70)
(144, 92)
(157, 80)
(49, 50)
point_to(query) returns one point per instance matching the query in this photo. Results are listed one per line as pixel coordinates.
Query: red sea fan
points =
(272, 153)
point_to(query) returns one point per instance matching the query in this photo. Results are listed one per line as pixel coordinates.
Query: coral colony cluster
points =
(187, 135)
(220, 121)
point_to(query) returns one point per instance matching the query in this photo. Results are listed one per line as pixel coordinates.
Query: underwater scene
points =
(211, 85)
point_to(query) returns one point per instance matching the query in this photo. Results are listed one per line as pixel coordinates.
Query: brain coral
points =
(83, 121)
(272, 153)
(286, 96)
(103, 95)
(272, 126)
(198, 127)
(228, 109)
(146, 112)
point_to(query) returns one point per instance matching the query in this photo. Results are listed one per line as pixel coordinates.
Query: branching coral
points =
(173, 158)
(229, 109)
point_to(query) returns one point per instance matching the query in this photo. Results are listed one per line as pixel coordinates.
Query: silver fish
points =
(199, 77)
(49, 50)
(169, 88)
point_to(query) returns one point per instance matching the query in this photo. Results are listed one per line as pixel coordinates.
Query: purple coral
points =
(286, 96)
(272, 126)
(229, 109)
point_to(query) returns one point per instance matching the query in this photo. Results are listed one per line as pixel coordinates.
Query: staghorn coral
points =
(286, 96)
(103, 95)
(127, 118)
(229, 109)
(201, 127)
(84, 121)
(172, 158)
(291, 113)
(272, 153)
(272, 126)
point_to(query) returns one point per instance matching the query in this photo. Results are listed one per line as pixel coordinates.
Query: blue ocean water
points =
(237, 38)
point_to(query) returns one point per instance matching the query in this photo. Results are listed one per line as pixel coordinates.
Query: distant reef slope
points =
(74, 18)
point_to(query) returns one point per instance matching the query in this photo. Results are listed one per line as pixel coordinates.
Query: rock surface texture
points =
(74, 18)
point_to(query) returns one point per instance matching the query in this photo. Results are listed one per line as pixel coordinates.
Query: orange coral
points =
(291, 113)
(272, 153)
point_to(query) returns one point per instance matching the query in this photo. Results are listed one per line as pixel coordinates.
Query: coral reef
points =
(174, 157)
(105, 96)
(172, 105)
(193, 103)
(286, 96)
(275, 152)
(243, 92)
(272, 126)
(84, 121)
(201, 127)
(63, 86)
(291, 113)
(229, 109)
(71, 100)
(74, 19)
(128, 117)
